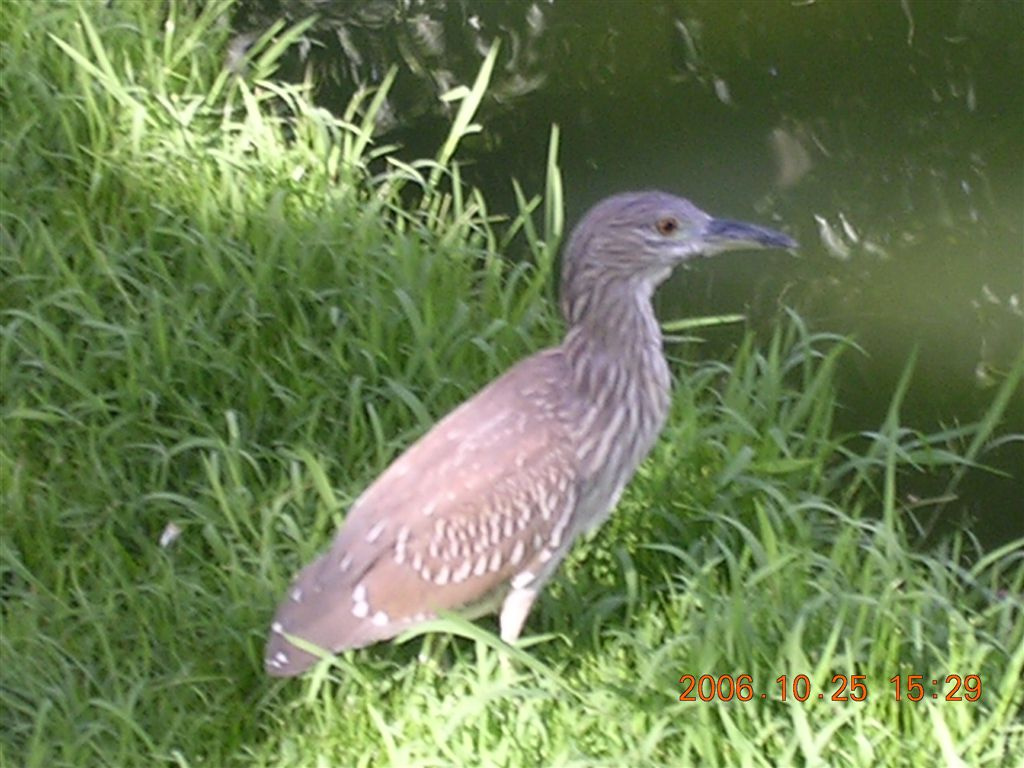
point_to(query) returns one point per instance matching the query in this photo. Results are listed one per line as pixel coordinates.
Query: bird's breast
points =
(619, 414)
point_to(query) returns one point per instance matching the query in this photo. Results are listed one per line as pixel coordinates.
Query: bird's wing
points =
(484, 496)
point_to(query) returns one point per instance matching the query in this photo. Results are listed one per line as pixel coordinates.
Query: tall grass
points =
(226, 309)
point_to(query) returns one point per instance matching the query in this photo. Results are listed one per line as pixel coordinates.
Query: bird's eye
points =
(668, 225)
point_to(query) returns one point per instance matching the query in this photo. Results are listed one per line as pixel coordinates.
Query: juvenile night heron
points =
(479, 512)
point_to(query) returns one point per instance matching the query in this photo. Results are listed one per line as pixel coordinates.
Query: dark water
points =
(888, 137)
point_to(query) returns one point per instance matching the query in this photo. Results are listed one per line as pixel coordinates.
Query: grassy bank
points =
(226, 310)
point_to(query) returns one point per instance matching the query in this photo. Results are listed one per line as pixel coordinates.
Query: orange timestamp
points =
(842, 688)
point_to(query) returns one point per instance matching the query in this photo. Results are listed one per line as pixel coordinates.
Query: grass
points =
(226, 309)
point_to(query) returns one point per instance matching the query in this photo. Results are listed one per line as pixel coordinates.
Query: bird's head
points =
(634, 240)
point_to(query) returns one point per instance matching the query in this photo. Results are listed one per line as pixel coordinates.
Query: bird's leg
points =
(514, 611)
(426, 651)
(432, 652)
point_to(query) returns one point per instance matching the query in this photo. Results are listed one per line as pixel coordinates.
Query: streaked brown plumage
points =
(480, 511)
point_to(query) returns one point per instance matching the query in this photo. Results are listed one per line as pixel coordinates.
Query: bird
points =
(478, 513)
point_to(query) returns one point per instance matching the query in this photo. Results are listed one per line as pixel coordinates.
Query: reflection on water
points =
(886, 137)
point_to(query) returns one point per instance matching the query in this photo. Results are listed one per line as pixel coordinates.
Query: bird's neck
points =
(613, 347)
(615, 323)
(619, 391)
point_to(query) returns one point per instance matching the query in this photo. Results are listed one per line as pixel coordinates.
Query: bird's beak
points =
(727, 235)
